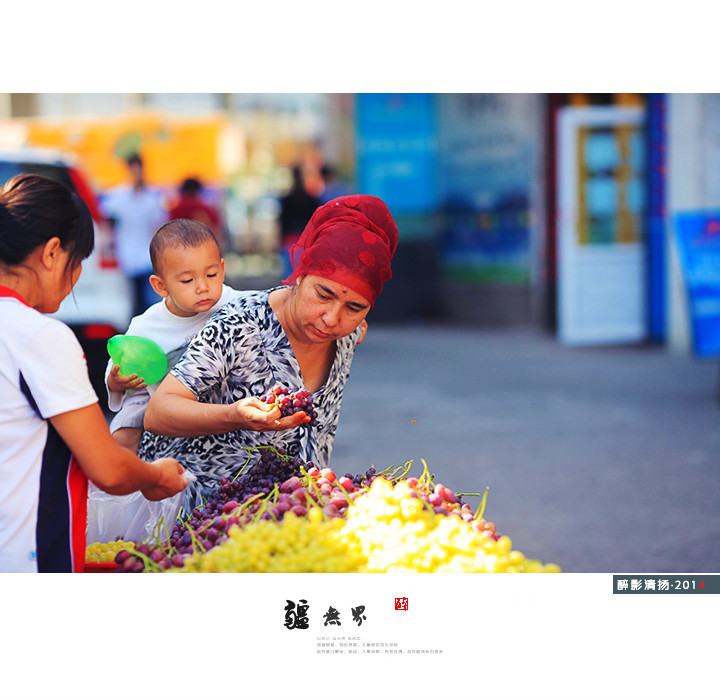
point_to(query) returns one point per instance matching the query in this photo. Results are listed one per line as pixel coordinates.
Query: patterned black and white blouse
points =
(243, 351)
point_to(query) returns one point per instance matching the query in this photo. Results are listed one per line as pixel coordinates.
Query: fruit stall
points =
(288, 516)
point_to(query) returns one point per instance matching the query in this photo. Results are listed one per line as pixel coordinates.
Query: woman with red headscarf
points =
(299, 335)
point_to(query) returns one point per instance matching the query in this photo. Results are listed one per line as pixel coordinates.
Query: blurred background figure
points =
(333, 186)
(135, 212)
(296, 208)
(191, 205)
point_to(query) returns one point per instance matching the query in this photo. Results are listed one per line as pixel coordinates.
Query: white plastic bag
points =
(130, 517)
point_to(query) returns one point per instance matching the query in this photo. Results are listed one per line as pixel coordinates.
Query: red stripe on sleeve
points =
(77, 485)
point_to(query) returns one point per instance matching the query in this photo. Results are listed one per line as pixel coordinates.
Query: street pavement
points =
(601, 460)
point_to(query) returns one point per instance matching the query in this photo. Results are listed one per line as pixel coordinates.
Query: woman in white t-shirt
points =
(53, 434)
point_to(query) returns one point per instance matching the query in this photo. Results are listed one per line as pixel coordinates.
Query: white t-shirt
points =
(173, 334)
(43, 492)
(138, 214)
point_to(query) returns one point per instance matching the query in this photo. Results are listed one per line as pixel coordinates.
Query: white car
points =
(100, 305)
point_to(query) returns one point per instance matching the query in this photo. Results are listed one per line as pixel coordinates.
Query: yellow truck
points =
(173, 148)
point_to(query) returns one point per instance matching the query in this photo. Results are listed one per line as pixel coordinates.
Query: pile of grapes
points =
(287, 516)
(386, 530)
(291, 403)
(105, 551)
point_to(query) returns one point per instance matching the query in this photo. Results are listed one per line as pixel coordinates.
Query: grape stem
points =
(426, 475)
(195, 540)
(162, 525)
(265, 503)
(391, 475)
(481, 508)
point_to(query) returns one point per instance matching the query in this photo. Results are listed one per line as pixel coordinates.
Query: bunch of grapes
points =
(290, 403)
(439, 498)
(398, 531)
(296, 544)
(136, 559)
(361, 480)
(444, 501)
(322, 488)
(105, 551)
(235, 502)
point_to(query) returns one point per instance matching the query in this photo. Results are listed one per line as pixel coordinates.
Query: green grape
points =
(397, 536)
(105, 551)
(293, 545)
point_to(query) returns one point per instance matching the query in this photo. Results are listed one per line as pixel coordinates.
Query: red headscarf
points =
(350, 240)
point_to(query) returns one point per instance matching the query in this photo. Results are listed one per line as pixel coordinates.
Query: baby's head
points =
(188, 270)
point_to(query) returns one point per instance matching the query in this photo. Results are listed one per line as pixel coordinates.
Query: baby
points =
(189, 273)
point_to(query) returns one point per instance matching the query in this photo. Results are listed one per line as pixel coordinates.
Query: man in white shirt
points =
(136, 212)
